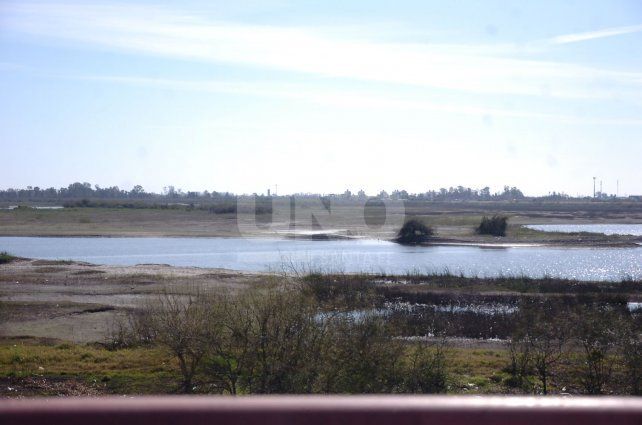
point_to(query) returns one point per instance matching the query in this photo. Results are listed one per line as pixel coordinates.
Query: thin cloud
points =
(592, 35)
(160, 32)
(10, 66)
(347, 98)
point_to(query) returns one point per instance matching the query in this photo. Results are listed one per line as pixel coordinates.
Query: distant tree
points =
(137, 190)
(511, 193)
(399, 194)
(383, 195)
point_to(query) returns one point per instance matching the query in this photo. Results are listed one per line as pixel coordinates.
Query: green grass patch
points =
(126, 371)
(53, 262)
(6, 258)
(153, 371)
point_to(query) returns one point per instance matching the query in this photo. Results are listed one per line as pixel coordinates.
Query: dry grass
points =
(454, 219)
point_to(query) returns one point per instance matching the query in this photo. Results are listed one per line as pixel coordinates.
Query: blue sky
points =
(322, 96)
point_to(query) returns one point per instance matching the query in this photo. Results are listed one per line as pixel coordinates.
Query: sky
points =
(322, 96)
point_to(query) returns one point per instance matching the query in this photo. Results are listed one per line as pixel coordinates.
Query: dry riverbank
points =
(78, 301)
(453, 224)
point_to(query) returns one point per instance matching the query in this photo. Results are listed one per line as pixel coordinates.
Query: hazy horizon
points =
(274, 190)
(322, 97)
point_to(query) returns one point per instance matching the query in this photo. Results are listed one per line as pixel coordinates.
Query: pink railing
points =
(389, 410)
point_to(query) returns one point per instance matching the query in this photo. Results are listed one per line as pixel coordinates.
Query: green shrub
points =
(414, 232)
(425, 372)
(495, 225)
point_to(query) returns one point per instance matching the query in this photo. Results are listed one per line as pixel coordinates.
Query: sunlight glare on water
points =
(338, 256)
(607, 229)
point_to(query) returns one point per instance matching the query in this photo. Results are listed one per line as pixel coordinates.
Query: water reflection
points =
(607, 229)
(349, 256)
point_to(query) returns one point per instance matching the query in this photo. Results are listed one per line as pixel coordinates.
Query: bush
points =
(540, 340)
(597, 335)
(495, 225)
(414, 232)
(426, 370)
(277, 341)
(630, 347)
(363, 357)
(180, 324)
(6, 258)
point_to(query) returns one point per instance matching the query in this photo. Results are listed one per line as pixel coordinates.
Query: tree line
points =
(79, 191)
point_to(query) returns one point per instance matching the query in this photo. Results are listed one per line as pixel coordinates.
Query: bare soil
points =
(78, 301)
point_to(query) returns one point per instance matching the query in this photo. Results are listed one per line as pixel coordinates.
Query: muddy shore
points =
(80, 302)
(77, 301)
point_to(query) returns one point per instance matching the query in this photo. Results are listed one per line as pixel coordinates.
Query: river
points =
(339, 256)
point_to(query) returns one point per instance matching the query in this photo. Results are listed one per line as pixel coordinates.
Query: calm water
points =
(607, 229)
(346, 256)
(50, 207)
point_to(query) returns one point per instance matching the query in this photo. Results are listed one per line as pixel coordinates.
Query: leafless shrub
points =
(276, 339)
(180, 324)
(540, 339)
(597, 336)
(426, 369)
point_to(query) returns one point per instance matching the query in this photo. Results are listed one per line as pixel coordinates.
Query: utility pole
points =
(594, 186)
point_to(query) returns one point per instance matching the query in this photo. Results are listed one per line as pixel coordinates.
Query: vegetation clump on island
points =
(414, 232)
(495, 225)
